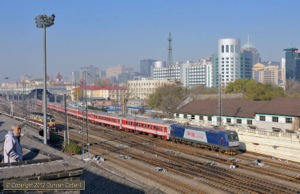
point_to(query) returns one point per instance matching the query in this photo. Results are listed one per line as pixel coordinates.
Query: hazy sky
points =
(106, 33)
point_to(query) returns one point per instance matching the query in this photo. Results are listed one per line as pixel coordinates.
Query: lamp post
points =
(6, 89)
(44, 21)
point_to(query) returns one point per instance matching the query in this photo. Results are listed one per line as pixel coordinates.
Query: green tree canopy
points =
(77, 94)
(254, 90)
(167, 97)
(201, 89)
(102, 82)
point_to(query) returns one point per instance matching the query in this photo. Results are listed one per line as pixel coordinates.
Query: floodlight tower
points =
(44, 21)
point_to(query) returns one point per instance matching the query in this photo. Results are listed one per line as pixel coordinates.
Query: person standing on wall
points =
(12, 148)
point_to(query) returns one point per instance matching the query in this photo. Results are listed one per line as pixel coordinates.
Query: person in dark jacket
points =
(12, 148)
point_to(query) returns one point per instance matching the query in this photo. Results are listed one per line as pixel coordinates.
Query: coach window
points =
(262, 118)
(288, 120)
(249, 122)
(275, 119)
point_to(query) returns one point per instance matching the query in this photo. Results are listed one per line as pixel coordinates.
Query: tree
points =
(167, 97)
(77, 94)
(292, 88)
(102, 82)
(239, 86)
(201, 89)
(254, 90)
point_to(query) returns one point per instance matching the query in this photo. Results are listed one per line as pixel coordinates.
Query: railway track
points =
(188, 168)
(190, 164)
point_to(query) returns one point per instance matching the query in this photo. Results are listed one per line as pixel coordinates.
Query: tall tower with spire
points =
(170, 56)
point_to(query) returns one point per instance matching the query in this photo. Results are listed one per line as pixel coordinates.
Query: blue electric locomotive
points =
(216, 139)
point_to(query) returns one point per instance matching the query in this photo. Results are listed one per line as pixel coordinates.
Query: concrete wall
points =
(280, 145)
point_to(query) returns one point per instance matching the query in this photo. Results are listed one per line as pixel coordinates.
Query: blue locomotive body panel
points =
(202, 135)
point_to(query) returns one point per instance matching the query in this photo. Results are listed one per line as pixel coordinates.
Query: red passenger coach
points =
(156, 127)
(75, 112)
(107, 119)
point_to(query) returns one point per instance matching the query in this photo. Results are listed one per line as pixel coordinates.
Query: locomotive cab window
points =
(232, 137)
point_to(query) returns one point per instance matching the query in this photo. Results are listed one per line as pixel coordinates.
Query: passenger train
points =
(216, 139)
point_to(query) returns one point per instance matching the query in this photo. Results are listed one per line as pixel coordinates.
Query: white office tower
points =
(282, 73)
(230, 63)
(282, 63)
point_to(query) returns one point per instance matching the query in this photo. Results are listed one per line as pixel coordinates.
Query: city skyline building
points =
(146, 66)
(172, 72)
(248, 47)
(92, 74)
(231, 62)
(291, 63)
(197, 73)
(113, 72)
(75, 78)
(189, 73)
(266, 74)
(141, 89)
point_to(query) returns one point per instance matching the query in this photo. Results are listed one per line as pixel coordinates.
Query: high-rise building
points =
(92, 73)
(248, 47)
(113, 72)
(75, 78)
(189, 73)
(197, 73)
(291, 63)
(146, 66)
(172, 72)
(231, 63)
(265, 74)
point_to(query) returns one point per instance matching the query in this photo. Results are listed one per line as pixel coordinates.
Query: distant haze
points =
(107, 33)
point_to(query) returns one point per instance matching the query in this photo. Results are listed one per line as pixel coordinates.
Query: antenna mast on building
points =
(170, 57)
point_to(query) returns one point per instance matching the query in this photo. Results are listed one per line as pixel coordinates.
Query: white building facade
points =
(189, 73)
(231, 63)
(141, 89)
